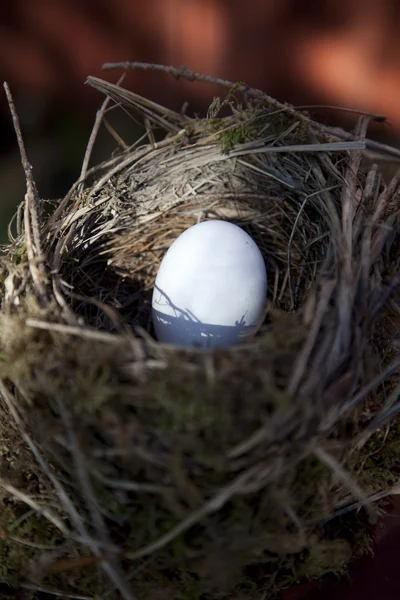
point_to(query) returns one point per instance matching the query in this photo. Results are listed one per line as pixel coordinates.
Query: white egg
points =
(211, 287)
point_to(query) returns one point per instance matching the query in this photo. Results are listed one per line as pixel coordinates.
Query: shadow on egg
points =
(183, 328)
(183, 331)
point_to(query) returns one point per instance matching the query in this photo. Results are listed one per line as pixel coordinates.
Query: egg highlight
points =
(211, 287)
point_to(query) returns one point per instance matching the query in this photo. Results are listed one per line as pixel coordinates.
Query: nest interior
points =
(137, 470)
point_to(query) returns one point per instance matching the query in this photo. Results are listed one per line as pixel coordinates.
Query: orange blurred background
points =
(344, 52)
(334, 52)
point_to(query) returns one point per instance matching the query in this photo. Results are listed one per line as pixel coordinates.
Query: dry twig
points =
(31, 211)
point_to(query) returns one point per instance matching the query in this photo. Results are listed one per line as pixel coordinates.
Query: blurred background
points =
(332, 52)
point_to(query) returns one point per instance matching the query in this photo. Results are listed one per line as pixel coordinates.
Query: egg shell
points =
(211, 287)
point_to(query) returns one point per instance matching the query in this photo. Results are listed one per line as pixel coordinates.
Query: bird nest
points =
(132, 469)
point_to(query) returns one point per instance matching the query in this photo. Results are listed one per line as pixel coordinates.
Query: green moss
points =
(239, 134)
(186, 405)
(375, 464)
(364, 545)
(20, 254)
(190, 588)
(325, 556)
(15, 555)
(320, 558)
(303, 133)
(310, 475)
(82, 581)
(14, 560)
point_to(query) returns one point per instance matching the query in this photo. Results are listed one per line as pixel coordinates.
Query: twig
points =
(30, 184)
(349, 207)
(319, 147)
(31, 213)
(66, 502)
(305, 353)
(290, 243)
(213, 505)
(374, 383)
(336, 468)
(5, 535)
(115, 135)
(52, 592)
(83, 332)
(94, 134)
(249, 443)
(183, 72)
(130, 485)
(29, 501)
(373, 116)
(394, 490)
(387, 413)
(149, 131)
(168, 119)
(110, 564)
(107, 164)
(387, 194)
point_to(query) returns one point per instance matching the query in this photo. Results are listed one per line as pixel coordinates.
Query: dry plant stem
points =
(290, 244)
(111, 313)
(153, 111)
(185, 73)
(149, 131)
(372, 116)
(29, 501)
(376, 150)
(110, 565)
(67, 198)
(349, 201)
(115, 135)
(305, 353)
(131, 485)
(328, 147)
(31, 212)
(93, 136)
(370, 190)
(83, 332)
(349, 208)
(384, 298)
(357, 398)
(127, 97)
(245, 446)
(213, 505)
(56, 593)
(372, 499)
(27, 543)
(389, 192)
(66, 503)
(336, 468)
(93, 170)
(92, 140)
(388, 412)
(394, 490)
(66, 310)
